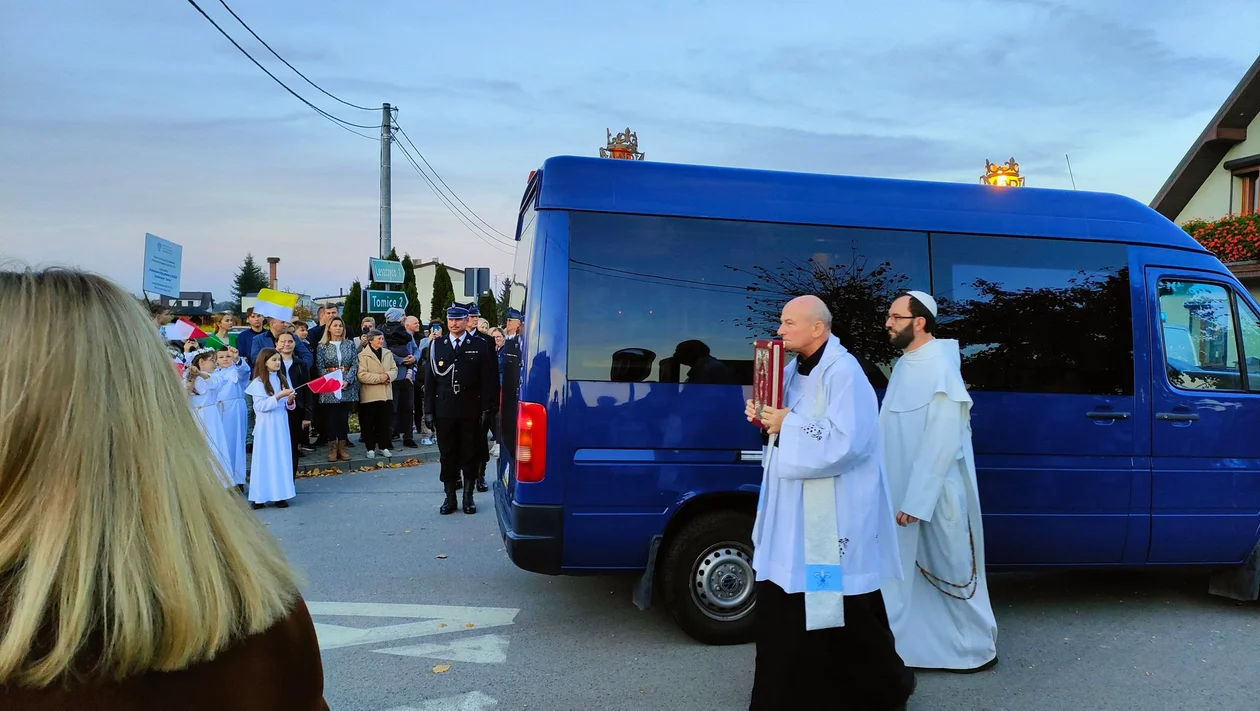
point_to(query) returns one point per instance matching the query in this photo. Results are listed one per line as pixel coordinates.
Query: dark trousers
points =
(852, 667)
(296, 434)
(457, 447)
(318, 418)
(336, 423)
(374, 423)
(418, 402)
(403, 416)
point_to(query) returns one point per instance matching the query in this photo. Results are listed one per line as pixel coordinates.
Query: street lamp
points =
(623, 146)
(1005, 175)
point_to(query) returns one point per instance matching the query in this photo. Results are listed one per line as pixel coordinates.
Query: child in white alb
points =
(271, 466)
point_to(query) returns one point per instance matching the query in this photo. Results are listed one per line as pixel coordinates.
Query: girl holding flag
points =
(271, 468)
(233, 374)
(222, 323)
(203, 395)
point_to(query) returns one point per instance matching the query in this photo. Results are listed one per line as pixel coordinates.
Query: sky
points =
(127, 117)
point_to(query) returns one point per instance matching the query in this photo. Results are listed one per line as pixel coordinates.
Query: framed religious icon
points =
(768, 359)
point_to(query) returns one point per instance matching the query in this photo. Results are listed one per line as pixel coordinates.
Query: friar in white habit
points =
(939, 607)
(824, 537)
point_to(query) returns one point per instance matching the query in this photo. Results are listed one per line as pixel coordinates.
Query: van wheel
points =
(707, 578)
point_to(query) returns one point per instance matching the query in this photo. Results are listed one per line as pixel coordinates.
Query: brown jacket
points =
(277, 669)
(376, 376)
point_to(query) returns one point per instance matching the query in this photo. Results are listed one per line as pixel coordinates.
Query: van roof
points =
(673, 189)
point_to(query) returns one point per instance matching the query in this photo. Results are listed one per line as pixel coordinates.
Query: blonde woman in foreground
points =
(129, 577)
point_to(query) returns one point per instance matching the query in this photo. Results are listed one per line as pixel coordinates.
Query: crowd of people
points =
(251, 399)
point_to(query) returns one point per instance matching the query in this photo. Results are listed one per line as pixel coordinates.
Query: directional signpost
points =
(384, 271)
(378, 302)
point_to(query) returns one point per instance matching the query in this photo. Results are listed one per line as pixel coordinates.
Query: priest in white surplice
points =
(939, 608)
(824, 537)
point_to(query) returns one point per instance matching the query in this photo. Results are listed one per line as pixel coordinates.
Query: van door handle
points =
(1106, 415)
(1176, 416)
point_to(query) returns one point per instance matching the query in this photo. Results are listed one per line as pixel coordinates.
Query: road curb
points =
(324, 468)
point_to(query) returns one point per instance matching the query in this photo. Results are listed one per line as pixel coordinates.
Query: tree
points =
(352, 313)
(857, 295)
(505, 295)
(302, 313)
(409, 288)
(1047, 339)
(250, 279)
(489, 309)
(443, 293)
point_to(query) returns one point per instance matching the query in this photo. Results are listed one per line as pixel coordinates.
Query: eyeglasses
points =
(900, 317)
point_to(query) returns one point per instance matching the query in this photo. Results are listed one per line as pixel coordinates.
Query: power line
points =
(290, 66)
(476, 229)
(463, 220)
(448, 188)
(321, 112)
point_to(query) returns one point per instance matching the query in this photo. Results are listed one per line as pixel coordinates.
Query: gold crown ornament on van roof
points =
(1005, 175)
(623, 146)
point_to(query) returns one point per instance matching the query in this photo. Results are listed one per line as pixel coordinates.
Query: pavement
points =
(313, 463)
(421, 612)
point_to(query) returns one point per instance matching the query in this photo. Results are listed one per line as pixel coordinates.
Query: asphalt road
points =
(516, 640)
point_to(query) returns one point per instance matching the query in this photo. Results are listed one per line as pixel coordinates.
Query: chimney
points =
(273, 261)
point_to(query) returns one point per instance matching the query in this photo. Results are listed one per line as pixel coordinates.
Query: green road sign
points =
(378, 302)
(384, 271)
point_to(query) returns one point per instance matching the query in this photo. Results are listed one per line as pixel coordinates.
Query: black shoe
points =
(256, 506)
(306, 448)
(449, 505)
(348, 443)
(481, 484)
(469, 506)
(410, 443)
(282, 504)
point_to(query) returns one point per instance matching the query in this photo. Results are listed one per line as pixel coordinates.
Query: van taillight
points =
(531, 442)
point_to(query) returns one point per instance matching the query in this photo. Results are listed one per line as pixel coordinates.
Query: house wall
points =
(425, 274)
(1212, 201)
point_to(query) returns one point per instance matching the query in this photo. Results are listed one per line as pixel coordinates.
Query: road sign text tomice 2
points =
(378, 302)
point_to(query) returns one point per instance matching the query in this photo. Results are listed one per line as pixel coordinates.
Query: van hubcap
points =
(722, 586)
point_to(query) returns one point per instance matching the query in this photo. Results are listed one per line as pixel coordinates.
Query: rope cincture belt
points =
(972, 583)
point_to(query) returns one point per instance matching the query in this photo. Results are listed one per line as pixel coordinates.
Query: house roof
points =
(431, 262)
(191, 296)
(1227, 129)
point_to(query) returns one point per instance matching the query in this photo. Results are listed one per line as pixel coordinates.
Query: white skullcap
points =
(926, 300)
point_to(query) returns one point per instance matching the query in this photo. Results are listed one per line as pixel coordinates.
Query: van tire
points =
(707, 578)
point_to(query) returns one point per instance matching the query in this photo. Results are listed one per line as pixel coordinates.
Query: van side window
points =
(1250, 330)
(680, 300)
(1036, 315)
(1200, 345)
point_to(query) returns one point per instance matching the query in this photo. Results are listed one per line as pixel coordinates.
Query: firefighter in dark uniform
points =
(511, 382)
(483, 440)
(461, 393)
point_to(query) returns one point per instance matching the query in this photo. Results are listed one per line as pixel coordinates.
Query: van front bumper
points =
(533, 535)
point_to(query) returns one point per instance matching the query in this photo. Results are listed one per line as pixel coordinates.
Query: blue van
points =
(1114, 364)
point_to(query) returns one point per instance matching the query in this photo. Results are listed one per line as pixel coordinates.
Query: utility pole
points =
(387, 137)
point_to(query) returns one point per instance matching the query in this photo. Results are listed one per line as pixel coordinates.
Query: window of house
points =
(672, 299)
(1250, 193)
(1036, 315)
